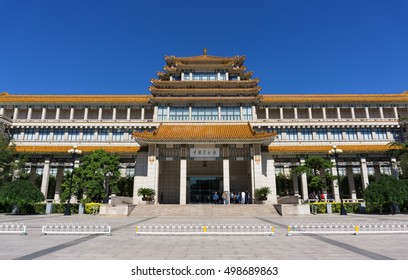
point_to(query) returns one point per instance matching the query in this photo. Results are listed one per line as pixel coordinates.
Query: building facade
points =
(205, 128)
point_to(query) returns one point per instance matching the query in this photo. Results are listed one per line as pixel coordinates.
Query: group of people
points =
(226, 198)
(320, 196)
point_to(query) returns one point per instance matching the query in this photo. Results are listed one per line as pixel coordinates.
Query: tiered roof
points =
(208, 133)
(164, 86)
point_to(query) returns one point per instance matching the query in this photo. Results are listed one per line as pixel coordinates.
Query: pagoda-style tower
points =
(203, 78)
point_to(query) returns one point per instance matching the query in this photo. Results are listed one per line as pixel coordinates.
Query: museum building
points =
(206, 128)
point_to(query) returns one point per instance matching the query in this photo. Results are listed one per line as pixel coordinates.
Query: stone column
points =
(324, 113)
(226, 175)
(58, 183)
(303, 182)
(71, 113)
(381, 112)
(339, 113)
(45, 177)
(352, 186)
(281, 113)
(295, 183)
(183, 181)
(44, 113)
(33, 174)
(29, 113)
(256, 172)
(142, 113)
(114, 114)
(57, 113)
(394, 167)
(128, 114)
(15, 113)
(335, 182)
(353, 114)
(396, 113)
(364, 172)
(271, 179)
(86, 111)
(377, 171)
(309, 110)
(99, 113)
(1, 110)
(295, 113)
(267, 113)
(367, 113)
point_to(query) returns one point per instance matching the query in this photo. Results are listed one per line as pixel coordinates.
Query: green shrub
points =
(21, 194)
(351, 207)
(90, 207)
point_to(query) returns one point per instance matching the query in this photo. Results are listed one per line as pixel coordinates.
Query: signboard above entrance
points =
(204, 152)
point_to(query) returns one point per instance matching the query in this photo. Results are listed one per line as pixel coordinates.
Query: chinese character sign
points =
(204, 152)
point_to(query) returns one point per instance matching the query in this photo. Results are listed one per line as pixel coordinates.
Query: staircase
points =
(205, 210)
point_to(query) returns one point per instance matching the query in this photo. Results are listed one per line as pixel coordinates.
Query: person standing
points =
(215, 198)
(242, 197)
(224, 197)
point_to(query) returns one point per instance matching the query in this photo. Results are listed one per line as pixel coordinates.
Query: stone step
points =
(205, 210)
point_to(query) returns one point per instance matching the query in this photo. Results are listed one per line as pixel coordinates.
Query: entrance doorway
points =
(201, 188)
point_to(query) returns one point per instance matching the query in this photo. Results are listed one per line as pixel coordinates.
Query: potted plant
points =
(147, 194)
(262, 193)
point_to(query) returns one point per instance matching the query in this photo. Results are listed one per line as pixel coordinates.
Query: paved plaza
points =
(124, 244)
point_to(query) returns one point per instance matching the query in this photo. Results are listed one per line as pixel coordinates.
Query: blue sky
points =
(116, 47)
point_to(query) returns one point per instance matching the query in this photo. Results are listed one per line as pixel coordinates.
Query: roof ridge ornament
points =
(205, 51)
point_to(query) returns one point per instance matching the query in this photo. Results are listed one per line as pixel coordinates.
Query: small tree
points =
(147, 194)
(262, 193)
(21, 194)
(313, 168)
(386, 193)
(88, 182)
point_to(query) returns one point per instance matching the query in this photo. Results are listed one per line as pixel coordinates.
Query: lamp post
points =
(74, 152)
(107, 177)
(336, 152)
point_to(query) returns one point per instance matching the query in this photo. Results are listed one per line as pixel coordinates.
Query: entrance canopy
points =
(204, 133)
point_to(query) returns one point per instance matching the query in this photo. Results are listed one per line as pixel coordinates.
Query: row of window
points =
(88, 134)
(204, 113)
(337, 133)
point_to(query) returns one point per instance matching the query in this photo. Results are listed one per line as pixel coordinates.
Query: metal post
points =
(74, 152)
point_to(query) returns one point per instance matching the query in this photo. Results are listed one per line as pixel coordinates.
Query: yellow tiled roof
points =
(70, 99)
(324, 149)
(84, 149)
(204, 133)
(333, 98)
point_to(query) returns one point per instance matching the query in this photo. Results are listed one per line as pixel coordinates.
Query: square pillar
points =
(364, 172)
(351, 183)
(58, 183)
(295, 183)
(335, 183)
(45, 178)
(183, 181)
(303, 183)
(226, 175)
(271, 179)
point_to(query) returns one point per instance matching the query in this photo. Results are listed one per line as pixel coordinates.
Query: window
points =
(162, 113)
(59, 134)
(179, 114)
(322, 133)
(247, 113)
(395, 133)
(15, 134)
(230, 113)
(291, 134)
(44, 134)
(117, 134)
(337, 134)
(73, 134)
(205, 76)
(130, 171)
(204, 113)
(279, 133)
(366, 133)
(351, 134)
(88, 134)
(381, 133)
(102, 134)
(29, 134)
(307, 134)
